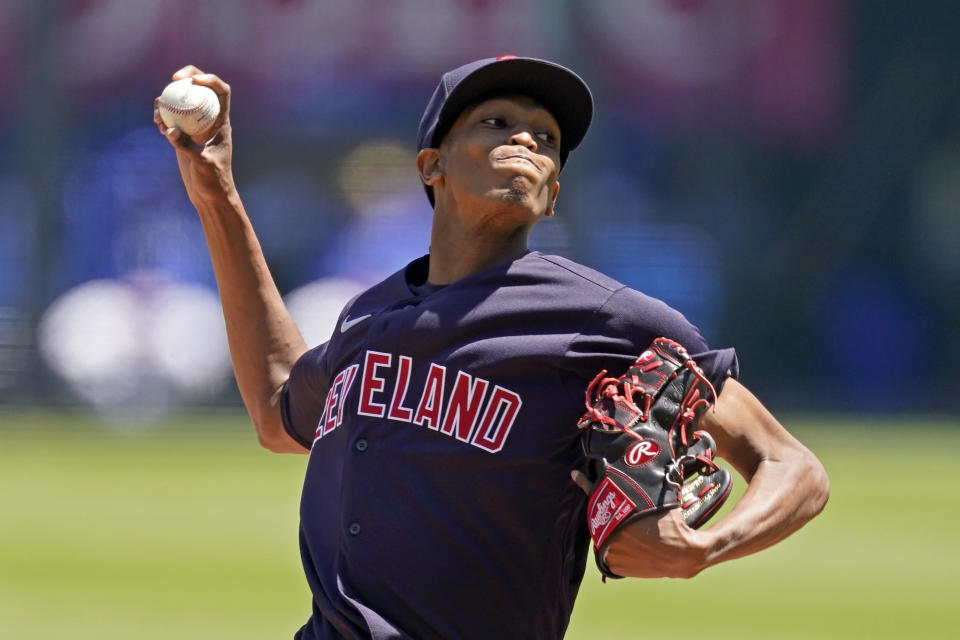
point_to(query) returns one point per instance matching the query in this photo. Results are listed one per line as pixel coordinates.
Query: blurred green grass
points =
(188, 530)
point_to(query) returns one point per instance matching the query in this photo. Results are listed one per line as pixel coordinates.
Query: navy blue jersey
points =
(437, 501)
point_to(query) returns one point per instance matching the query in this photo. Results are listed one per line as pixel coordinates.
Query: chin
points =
(516, 194)
(516, 197)
(519, 194)
(520, 189)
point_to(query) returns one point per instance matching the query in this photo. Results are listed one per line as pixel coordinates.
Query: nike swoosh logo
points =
(348, 323)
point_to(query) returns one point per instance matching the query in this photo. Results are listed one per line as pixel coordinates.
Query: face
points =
(502, 153)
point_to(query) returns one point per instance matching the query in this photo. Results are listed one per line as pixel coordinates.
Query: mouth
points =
(522, 158)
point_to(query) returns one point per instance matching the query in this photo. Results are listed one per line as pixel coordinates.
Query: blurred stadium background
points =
(785, 172)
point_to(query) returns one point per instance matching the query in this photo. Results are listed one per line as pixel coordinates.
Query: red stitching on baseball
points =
(181, 110)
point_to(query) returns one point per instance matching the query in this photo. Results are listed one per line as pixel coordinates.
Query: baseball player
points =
(445, 494)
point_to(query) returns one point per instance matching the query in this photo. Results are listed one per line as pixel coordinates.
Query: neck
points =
(458, 250)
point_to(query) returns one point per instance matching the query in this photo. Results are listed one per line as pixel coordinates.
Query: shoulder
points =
(392, 288)
(365, 303)
(558, 267)
(619, 301)
(620, 314)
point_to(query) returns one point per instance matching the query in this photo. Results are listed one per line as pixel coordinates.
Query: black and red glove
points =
(645, 454)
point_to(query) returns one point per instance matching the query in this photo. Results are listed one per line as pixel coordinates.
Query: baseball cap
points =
(557, 88)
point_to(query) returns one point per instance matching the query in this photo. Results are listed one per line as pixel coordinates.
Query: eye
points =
(547, 137)
(494, 122)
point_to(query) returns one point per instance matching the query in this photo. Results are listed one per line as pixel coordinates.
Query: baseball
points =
(192, 108)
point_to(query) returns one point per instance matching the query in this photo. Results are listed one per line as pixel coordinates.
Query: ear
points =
(551, 210)
(430, 166)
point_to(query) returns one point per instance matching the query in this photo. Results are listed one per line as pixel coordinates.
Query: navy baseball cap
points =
(558, 89)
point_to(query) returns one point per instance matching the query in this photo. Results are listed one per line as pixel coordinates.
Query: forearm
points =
(264, 341)
(787, 485)
(783, 495)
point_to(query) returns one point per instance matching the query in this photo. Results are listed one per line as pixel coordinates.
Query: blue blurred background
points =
(784, 172)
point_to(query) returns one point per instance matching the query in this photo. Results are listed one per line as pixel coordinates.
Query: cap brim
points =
(561, 91)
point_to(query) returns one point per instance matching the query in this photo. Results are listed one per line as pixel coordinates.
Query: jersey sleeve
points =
(627, 324)
(304, 395)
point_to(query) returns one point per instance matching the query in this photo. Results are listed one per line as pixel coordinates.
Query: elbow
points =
(817, 483)
(268, 438)
(272, 436)
(823, 490)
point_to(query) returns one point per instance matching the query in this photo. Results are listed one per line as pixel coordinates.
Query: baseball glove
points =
(645, 454)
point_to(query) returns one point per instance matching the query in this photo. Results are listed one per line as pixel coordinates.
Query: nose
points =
(524, 138)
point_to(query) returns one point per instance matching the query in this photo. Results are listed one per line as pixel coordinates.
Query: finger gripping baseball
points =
(639, 432)
(190, 107)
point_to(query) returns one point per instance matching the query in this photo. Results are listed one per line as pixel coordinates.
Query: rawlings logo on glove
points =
(641, 453)
(608, 507)
(639, 432)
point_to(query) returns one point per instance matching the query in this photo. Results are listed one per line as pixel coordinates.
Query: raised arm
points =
(264, 341)
(787, 487)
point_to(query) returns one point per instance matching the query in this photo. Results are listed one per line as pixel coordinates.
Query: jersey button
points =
(361, 445)
(354, 528)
